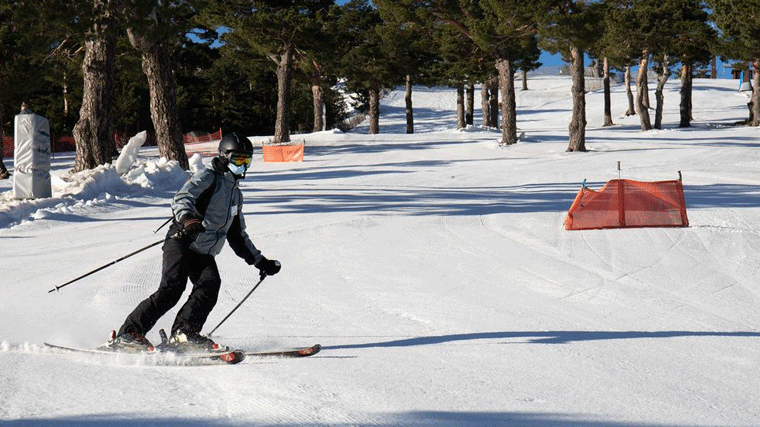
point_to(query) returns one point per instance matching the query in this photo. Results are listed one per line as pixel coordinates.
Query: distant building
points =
(737, 74)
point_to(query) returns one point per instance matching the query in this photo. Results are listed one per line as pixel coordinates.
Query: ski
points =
(231, 357)
(302, 352)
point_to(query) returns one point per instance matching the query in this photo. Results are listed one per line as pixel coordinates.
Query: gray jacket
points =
(213, 195)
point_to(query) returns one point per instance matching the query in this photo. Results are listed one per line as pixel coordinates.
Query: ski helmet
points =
(234, 142)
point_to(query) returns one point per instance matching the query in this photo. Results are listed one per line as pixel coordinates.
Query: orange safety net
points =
(195, 143)
(283, 153)
(626, 203)
(57, 145)
(7, 146)
(194, 138)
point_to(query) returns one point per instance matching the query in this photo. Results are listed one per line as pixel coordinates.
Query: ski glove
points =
(268, 267)
(192, 226)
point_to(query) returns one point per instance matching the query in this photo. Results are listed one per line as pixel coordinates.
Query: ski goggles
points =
(239, 159)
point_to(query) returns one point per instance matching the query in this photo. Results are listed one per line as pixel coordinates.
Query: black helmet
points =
(236, 143)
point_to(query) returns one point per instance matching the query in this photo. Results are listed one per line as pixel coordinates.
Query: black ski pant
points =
(179, 264)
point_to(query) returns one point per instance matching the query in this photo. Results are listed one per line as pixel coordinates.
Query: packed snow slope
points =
(433, 267)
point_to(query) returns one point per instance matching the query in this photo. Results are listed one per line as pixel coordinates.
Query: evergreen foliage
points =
(738, 22)
(226, 53)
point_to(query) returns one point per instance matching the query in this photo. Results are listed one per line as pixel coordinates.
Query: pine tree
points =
(738, 23)
(278, 30)
(154, 27)
(529, 61)
(617, 45)
(407, 44)
(504, 29)
(363, 60)
(94, 132)
(694, 41)
(572, 27)
(461, 63)
(7, 49)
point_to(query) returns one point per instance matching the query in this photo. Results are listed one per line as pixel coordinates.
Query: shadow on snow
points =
(416, 418)
(547, 337)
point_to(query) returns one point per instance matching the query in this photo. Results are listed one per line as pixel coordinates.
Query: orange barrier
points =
(282, 153)
(64, 143)
(192, 139)
(57, 145)
(626, 203)
(67, 143)
(8, 146)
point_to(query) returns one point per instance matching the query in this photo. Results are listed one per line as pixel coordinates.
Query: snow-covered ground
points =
(434, 269)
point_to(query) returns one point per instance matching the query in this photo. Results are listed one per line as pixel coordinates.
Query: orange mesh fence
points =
(64, 143)
(626, 203)
(192, 138)
(282, 153)
(57, 145)
(7, 146)
(197, 143)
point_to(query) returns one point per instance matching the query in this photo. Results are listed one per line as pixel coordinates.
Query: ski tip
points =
(301, 352)
(316, 348)
(232, 357)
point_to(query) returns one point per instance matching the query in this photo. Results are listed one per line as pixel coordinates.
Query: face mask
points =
(237, 170)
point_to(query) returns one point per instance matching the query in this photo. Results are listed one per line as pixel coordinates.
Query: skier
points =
(206, 209)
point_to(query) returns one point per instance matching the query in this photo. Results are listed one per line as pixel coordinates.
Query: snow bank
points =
(96, 187)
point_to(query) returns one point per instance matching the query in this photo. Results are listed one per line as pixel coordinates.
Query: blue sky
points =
(549, 60)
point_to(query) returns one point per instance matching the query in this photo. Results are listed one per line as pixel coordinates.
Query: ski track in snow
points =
(435, 270)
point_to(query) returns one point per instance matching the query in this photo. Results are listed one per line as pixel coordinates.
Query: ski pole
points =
(263, 276)
(105, 266)
(163, 225)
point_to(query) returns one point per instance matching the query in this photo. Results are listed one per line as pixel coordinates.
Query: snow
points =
(434, 269)
(129, 153)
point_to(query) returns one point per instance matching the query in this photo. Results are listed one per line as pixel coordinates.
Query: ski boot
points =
(128, 342)
(193, 342)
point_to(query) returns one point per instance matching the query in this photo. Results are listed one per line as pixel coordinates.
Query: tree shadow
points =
(453, 200)
(416, 200)
(541, 337)
(378, 419)
(722, 196)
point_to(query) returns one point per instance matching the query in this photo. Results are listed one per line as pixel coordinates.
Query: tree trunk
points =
(408, 105)
(746, 74)
(470, 104)
(631, 110)
(284, 63)
(157, 67)
(662, 78)
(374, 109)
(685, 106)
(713, 68)
(94, 132)
(461, 123)
(641, 88)
(486, 122)
(524, 79)
(645, 92)
(3, 170)
(65, 99)
(607, 98)
(318, 103)
(756, 93)
(509, 106)
(493, 102)
(577, 125)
